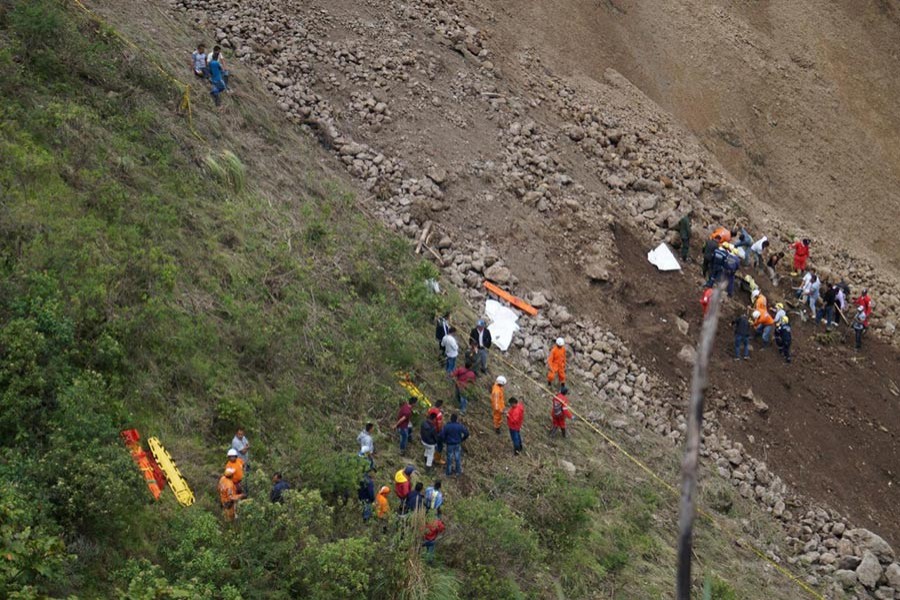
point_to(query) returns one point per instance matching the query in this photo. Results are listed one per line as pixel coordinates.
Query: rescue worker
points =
(279, 487)
(234, 462)
(429, 435)
(441, 329)
(780, 313)
(366, 495)
(480, 340)
(801, 255)
(432, 531)
(228, 494)
(759, 301)
(783, 339)
(721, 235)
(757, 250)
(451, 350)
(367, 445)
(829, 302)
(453, 435)
(415, 500)
(741, 327)
(463, 378)
(434, 498)
(402, 483)
(865, 301)
(684, 232)
(404, 422)
(709, 249)
(498, 402)
(705, 299)
(717, 265)
(772, 264)
(559, 412)
(383, 506)
(514, 419)
(732, 264)
(557, 363)
(438, 411)
(743, 244)
(763, 325)
(859, 324)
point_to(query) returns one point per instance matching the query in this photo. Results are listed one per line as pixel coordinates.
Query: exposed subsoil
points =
(832, 430)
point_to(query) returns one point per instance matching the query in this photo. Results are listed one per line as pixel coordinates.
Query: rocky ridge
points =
(601, 159)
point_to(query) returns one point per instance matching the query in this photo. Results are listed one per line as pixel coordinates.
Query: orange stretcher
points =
(514, 300)
(153, 475)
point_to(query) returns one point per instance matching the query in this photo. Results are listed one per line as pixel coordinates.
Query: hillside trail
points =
(447, 114)
(795, 99)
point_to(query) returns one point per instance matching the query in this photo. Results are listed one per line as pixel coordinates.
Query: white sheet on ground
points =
(503, 323)
(663, 259)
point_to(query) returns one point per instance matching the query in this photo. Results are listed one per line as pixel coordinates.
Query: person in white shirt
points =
(367, 444)
(451, 349)
(757, 250)
(241, 445)
(198, 62)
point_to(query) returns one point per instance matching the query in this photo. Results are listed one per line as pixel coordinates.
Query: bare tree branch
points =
(690, 463)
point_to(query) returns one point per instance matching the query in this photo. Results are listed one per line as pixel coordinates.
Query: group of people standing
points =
(211, 67)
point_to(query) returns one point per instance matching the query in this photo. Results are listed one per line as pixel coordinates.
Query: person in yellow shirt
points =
(557, 363)
(498, 402)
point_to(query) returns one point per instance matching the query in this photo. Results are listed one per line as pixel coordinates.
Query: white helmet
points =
(755, 314)
(560, 342)
(501, 380)
(232, 452)
(860, 308)
(754, 294)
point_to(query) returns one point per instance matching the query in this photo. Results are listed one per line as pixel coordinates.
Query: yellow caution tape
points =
(179, 486)
(186, 97)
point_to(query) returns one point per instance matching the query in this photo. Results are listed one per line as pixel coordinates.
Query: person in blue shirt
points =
(434, 498)
(453, 435)
(366, 495)
(218, 76)
(279, 487)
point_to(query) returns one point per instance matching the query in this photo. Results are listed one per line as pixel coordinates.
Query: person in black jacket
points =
(279, 486)
(480, 340)
(429, 434)
(708, 250)
(366, 495)
(741, 326)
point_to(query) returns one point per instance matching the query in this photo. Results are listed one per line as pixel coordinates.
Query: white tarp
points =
(503, 323)
(662, 258)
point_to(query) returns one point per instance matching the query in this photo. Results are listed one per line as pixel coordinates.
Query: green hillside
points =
(185, 287)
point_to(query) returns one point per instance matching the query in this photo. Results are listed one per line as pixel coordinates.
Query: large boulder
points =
(869, 570)
(866, 540)
(498, 273)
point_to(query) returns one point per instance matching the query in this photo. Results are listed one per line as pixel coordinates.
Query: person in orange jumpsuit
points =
(560, 412)
(759, 301)
(721, 235)
(764, 325)
(801, 254)
(235, 462)
(557, 363)
(383, 507)
(498, 402)
(228, 494)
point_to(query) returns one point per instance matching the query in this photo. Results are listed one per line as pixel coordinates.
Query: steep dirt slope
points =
(796, 99)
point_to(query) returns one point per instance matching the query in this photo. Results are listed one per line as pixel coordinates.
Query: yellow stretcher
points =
(179, 486)
(413, 390)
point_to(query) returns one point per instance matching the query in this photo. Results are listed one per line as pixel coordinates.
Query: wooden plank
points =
(514, 300)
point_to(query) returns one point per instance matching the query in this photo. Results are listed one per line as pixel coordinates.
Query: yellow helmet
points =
(779, 305)
(784, 320)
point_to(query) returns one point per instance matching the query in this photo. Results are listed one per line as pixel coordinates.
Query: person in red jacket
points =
(402, 484)
(514, 419)
(865, 301)
(432, 531)
(801, 254)
(438, 412)
(560, 412)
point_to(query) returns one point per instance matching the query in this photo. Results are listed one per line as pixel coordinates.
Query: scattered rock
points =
(866, 540)
(760, 406)
(498, 273)
(688, 354)
(869, 570)
(538, 300)
(596, 270)
(437, 175)
(568, 467)
(892, 574)
(682, 325)
(846, 578)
